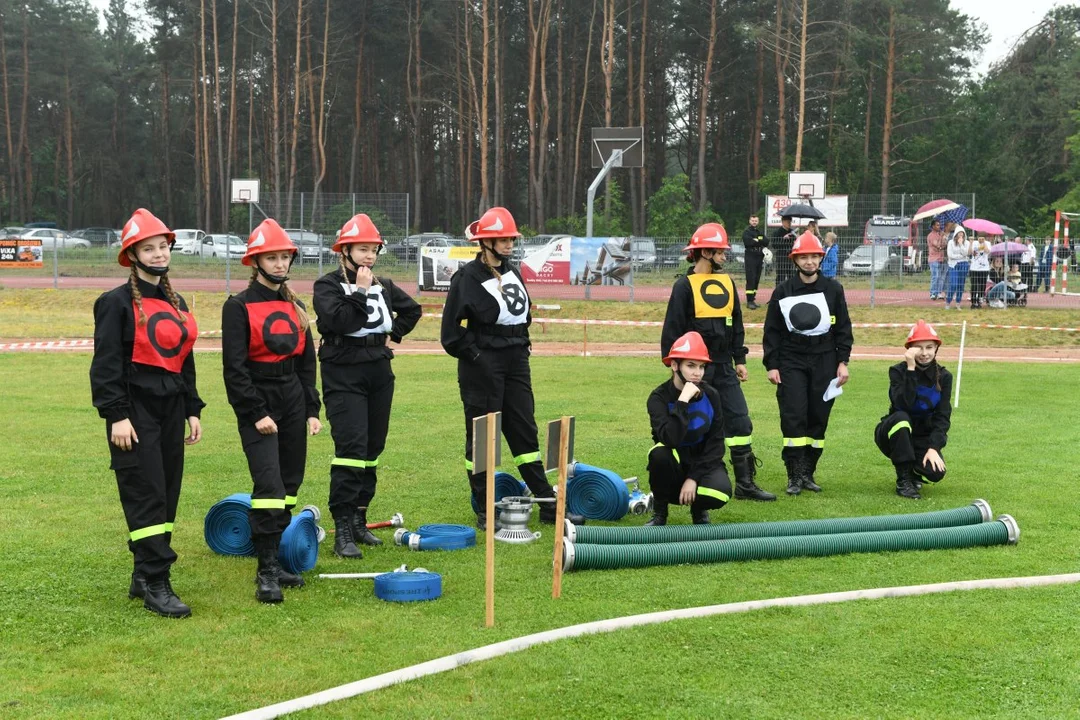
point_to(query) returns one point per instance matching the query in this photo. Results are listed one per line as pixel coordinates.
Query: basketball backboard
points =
(245, 191)
(806, 185)
(631, 140)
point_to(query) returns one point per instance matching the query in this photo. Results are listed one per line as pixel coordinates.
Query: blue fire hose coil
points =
(596, 493)
(408, 587)
(299, 549)
(437, 537)
(506, 485)
(226, 527)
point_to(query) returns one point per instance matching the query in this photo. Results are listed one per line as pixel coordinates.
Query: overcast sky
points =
(1006, 20)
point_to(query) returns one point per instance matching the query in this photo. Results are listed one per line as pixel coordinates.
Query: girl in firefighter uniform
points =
(492, 350)
(142, 379)
(807, 344)
(705, 300)
(686, 465)
(356, 314)
(914, 432)
(269, 368)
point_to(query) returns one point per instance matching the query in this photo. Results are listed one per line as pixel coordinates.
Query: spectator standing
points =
(831, 262)
(936, 241)
(980, 267)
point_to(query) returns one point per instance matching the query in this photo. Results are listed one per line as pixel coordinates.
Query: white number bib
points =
(513, 300)
(806, 314)
(379, 319)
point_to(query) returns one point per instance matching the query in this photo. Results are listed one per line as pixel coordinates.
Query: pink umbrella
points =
(983, 226)
(934, 207)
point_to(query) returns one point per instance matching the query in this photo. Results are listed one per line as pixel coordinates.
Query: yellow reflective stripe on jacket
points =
(796, 442)
(348, 462)
(267, 503)
(673, 451)
(899, 426)
(371, 463)
(468, 465)
(290, 500)
(527, 458)
(141, 533)
(701, 490)
(168, 527)
(819, 444)
(832, 319)
(737, 440)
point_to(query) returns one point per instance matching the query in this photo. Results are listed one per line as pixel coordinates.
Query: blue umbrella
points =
(956, 215)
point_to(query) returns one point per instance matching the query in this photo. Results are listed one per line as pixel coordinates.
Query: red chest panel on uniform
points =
(163, 341)
(275, 331)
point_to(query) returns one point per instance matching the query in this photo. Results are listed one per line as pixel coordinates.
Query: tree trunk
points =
(203, 79)
(485, 192)
(275, 110)
(463, 126)
(358, 110)
(866, 130)
(294, 130)
(781, 91)
(498, 51)
(223, 183)
(581, 113)
(703, 109)
(232, 102)
(69, 144)
(545, 115)
(802, 87)
(321, 134)
(530, 105)
(413, 96)
(886, 133)
(166, 134)
(560, 117)
(196, 95)
(759, 116)
(642, 42)
(630, 110)
(26, 200)
(607, 61)
(12, 173)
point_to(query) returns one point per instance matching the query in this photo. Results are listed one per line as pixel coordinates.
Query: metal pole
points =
(301, 211)
(614, 161)
(228, 252)
(55, 263)
(873, 270)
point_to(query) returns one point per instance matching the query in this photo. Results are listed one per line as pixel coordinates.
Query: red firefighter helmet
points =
(709, 235)
(806, 244)
(142, 225)
(359, 229)
(921, 331)
(688, 347)
(497, 222)
(267, 237)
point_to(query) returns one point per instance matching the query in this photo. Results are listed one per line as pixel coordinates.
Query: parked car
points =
(102, 236)
(879, 259)
(218, 246)
(671, 254)
(407, 248)
(642, 252)
(189, 242)
(13, 231)
(899, 232)
(310, 245)
(51, 239)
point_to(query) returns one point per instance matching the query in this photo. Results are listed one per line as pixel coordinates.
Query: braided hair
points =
(166, 286)
(495, 273)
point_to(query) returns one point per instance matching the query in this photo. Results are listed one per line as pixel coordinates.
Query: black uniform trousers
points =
(358, 399)
(895, 440)
(668, 470)
(148, 478)
(804, 415)
(501, 380)
(276, 461)
(738, 427)
(755, 260)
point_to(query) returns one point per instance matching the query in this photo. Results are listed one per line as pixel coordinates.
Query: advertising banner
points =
(835, 208)
(438, 264)
(601, 261)
(548, 265)
(16, 253)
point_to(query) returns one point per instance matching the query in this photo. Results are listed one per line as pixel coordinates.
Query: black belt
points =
(376, 340)
(272, 369)
(811, 340)
(501, 330)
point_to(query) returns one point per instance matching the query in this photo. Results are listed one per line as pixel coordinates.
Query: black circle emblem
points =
(168, 342)
(804, 316)
(715, 294)
(375, 314)
(280, 334)
(515, 299)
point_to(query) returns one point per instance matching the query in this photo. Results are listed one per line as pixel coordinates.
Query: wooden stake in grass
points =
(486, 430)
(564, 438)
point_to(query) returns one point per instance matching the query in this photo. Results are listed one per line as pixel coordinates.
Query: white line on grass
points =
(451, 662)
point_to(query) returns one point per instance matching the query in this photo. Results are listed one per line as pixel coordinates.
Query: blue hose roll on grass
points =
(408, 587)
(437, 537)
(299, 549)
(506, 485)
(226, 527)
(596, 493)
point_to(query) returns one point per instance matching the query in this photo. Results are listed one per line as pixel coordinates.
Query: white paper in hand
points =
(834, 390)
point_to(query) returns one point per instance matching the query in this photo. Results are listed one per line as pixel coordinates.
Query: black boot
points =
(287, 579)
(481, 521)
(812, 457)
(343, 538)
(159, 598)
(267, 582)
(744, 467)
(659, 516)
(361, 534)
(138, 586)
(699, 516)
(906, 483)
(547, 515)
(794, 480)
(750, 304)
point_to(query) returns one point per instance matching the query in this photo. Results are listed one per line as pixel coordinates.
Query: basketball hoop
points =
(245, 191)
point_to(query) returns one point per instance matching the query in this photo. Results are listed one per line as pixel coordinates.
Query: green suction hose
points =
(580, 556)
(973, 514)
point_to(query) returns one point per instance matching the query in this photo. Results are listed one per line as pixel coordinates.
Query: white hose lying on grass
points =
(487, 652)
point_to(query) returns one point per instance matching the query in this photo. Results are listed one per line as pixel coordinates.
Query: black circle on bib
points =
(515, 299)
(375, 315)
(151, 334)
(804, 316)
(715, 294)
(280, 343)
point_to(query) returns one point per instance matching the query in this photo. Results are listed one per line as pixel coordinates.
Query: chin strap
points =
(804, 273)
(155, 271)
(503, 259)
(276, 279)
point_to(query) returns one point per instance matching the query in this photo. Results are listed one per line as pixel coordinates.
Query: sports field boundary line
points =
(506, 647)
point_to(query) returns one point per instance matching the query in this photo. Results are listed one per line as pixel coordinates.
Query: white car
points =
(51, 239)
(189, 242)
(218, 246)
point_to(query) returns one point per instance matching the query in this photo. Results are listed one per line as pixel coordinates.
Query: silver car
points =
(876, 259)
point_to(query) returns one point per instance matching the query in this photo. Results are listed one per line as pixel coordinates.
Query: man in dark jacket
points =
(754, 242)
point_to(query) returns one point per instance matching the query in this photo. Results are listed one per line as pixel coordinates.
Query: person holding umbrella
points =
(958, 254)
(936, 242)
(784, 237)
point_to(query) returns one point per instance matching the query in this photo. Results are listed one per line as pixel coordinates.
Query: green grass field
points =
(74, 646)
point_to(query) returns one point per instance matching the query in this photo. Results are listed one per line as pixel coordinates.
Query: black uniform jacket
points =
(708, 304)
(917, 393)
(112, 371)
(496, 317)
(340, 314)
(782, 241)
(754, 240)
(818, 311)
(245, 398)
(695, 430)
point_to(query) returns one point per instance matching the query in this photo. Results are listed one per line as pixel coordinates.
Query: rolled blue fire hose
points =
(408, 587)
(506, 485)
(437, 537)
(227, 532)
(596, 493)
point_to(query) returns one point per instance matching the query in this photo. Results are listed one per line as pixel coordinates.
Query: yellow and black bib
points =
(714, 295)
